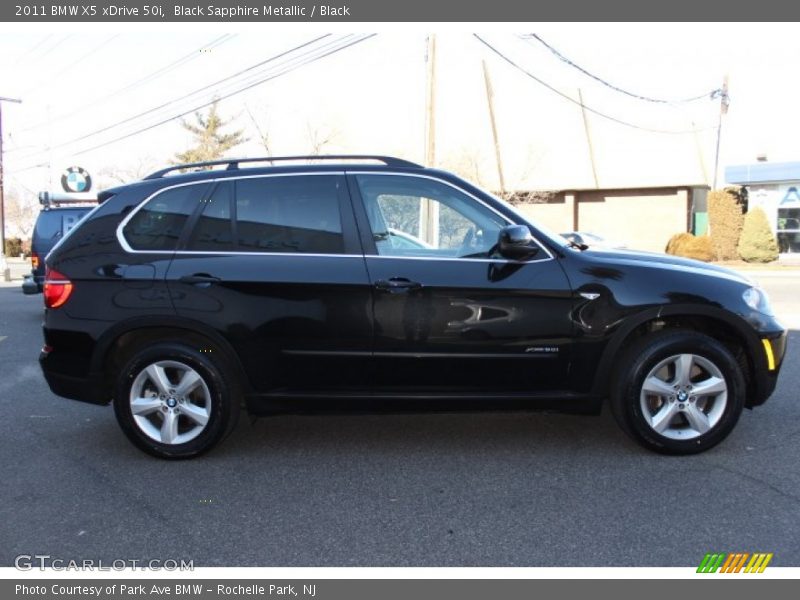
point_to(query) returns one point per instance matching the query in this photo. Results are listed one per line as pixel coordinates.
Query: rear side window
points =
(213, 231)
(158, 225)
(298, 214)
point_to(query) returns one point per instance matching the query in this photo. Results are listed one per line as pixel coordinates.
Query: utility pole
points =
(430, 103)
(428, 210)
(588, 139)
(3, 264)
(490, 102)
(724, 101)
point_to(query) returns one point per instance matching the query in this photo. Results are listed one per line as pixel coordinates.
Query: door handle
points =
(202, 280)
(397, 285)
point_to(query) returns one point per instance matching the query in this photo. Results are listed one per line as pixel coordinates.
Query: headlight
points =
(757, 299)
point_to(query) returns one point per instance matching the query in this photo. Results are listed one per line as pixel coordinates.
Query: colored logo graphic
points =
(792, 196)
(734, 562)
(76, 179)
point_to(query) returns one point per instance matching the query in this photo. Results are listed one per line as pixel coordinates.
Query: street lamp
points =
(3, 264)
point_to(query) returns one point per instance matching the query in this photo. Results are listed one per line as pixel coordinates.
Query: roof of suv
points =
(234, 164)
(233, 167)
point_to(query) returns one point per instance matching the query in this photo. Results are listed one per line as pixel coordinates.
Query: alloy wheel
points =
(683, 396)
(170, 402)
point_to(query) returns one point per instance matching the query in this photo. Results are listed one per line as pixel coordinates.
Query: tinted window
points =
(214, 228)
(289, 214)
(52, 225)
(413, 216)
(158, 225)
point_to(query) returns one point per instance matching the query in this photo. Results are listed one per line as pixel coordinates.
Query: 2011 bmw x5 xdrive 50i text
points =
(326, 282)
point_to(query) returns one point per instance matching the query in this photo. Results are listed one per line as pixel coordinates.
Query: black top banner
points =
(363, 11)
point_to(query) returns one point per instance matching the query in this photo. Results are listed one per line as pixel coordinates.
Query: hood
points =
(660, 260)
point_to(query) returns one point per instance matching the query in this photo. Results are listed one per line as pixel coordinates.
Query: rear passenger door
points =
(274, 264)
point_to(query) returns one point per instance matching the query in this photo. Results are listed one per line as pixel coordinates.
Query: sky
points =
(107, 97)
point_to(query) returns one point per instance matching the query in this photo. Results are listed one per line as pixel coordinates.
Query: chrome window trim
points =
(127, 248)
(241, 253)
(456, 259)
(466, 193)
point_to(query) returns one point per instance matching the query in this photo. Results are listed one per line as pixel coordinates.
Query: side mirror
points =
(516, 242)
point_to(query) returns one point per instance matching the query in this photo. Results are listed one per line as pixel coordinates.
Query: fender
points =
(110, 336)
(737, 325)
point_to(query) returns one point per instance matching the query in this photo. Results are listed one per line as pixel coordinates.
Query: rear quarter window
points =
(157, 226)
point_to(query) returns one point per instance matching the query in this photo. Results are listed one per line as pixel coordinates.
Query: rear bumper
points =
(32, 285)
(87, 388)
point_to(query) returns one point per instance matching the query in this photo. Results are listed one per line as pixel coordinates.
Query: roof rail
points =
(233, 163)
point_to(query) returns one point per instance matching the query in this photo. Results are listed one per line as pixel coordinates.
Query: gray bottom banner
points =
(387, 589)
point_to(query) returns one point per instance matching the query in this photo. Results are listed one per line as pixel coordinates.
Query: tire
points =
(678, 392)
(174, 402)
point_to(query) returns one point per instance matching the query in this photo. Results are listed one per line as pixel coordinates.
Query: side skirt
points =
(363, 402)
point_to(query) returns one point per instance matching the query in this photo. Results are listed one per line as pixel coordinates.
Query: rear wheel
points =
(678, 392)
(173, 401)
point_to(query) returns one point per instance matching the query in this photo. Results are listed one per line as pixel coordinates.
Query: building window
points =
(788, 230)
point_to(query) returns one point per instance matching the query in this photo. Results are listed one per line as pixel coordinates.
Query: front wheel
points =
(678, 392)
(173, 401)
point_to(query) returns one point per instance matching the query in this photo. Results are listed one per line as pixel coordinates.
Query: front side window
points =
(296, 214)
(158, 225)
(414, 216)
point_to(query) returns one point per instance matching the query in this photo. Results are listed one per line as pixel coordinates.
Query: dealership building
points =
(775, 188)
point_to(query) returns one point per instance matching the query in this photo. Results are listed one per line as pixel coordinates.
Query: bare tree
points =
(20, 213)
(112, 175)
(262, 129)
(466, 162)
(319, 137)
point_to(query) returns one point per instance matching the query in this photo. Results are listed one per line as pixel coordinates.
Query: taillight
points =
(57, 288)
(34, 261)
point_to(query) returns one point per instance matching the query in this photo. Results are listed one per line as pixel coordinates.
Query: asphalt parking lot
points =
(496, 489)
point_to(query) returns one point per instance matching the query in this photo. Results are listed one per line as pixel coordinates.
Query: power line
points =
(564, 59)
(179, 99)
(137, 83)
(51, 48)
(66, 68)
(589, 108)
(35, 46)
(239, 91)
(205, 104)
(177, 63)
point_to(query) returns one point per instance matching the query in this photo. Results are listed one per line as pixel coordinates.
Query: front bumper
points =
(767, 367)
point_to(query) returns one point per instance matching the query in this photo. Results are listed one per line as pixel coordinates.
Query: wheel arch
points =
(120, 341)
(721, 325)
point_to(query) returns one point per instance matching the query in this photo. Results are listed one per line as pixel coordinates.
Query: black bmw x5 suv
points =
(333, 282)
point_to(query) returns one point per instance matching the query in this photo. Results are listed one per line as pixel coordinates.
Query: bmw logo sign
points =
(75, 180)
